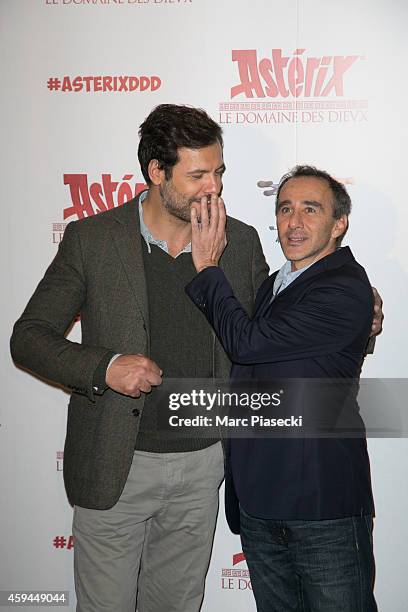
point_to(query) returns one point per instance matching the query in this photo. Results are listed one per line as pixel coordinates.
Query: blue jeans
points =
(310, 566)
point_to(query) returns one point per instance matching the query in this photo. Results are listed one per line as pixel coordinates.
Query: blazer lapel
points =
(126, 236)
(336, 259)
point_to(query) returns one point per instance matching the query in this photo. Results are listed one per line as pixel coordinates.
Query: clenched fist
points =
(132, 374)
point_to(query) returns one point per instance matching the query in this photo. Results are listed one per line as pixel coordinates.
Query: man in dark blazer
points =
(145, 507)
(305, 504)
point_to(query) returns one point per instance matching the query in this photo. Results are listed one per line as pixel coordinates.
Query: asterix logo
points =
(282, 76)
(296, 88)
(90, 199)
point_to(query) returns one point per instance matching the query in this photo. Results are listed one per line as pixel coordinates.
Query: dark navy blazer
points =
(317, 327)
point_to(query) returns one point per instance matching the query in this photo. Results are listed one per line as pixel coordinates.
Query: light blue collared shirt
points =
(285, 276)
(147, 235)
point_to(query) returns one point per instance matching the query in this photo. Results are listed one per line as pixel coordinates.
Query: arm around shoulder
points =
(328, 319)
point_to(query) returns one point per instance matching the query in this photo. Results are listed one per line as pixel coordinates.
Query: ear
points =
(156, 174)
(340, 227)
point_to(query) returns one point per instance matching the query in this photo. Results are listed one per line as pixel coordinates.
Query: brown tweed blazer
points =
(98, 272)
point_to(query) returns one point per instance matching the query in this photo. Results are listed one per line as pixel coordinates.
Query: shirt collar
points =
(285, 276)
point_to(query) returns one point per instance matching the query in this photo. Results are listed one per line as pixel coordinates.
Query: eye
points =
(310, 209)
(284, 210)
(197, 177)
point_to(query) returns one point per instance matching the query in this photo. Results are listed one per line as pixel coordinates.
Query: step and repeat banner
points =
(306, 81)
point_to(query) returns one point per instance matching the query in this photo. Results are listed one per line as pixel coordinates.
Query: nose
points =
(295, 219)
(213, 184)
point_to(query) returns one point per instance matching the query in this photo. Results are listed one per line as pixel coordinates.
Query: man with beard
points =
(145, 506)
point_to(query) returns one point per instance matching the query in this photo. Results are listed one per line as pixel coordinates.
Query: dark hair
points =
(341, 199)
(170, 127)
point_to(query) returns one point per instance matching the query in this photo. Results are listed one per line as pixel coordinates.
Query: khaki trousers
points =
(154, 545)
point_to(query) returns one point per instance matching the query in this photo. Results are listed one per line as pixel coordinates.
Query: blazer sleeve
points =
(38, 342)
(328, 319)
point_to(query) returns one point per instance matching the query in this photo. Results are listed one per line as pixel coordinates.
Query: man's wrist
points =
(99, 378)
(205, 266)
(112, 360)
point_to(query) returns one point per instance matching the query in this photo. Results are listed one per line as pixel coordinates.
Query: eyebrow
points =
(304, 203)
(204, 170)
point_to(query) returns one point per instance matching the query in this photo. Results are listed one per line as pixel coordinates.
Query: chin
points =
(181, 216)
(293, 254)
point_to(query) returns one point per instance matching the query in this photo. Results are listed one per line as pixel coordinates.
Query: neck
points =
(163, 225)
(296, 265)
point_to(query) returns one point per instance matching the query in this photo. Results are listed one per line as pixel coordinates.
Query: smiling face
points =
(306, 227)
(197, 173)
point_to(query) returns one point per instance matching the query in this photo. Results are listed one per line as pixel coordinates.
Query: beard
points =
(175, 202)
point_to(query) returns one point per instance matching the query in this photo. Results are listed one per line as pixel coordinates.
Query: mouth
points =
(296, 240)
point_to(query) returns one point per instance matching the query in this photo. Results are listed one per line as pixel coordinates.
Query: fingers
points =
(149, 375)
(377, 300)
(194, 222)
(376, 326)
(222, 218)
(204, 213)
(144, 386)
(148, 380)
(378, 317)
(214, 213)
(153, 379)
(203, 219)
(132, 374)
(208, 235)
(149, 364)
